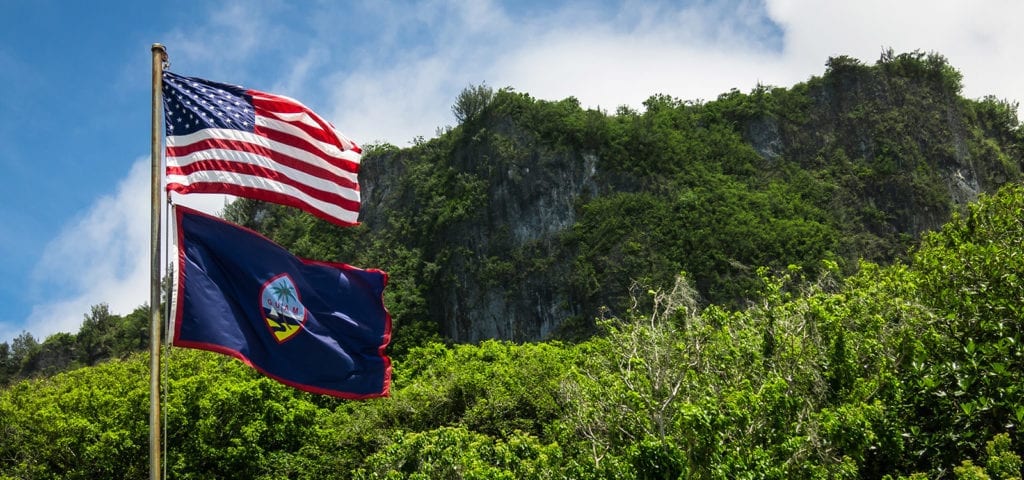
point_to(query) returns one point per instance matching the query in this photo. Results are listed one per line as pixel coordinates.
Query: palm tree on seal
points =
(283, 292)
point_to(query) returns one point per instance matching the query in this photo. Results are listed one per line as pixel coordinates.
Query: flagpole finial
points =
(159, 49)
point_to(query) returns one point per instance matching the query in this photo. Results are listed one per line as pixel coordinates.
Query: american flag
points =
(228, 139)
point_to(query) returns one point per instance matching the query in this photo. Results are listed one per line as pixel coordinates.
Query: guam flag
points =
(317, 326)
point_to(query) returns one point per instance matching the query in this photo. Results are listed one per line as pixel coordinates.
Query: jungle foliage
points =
(803, 282)
(903, 371)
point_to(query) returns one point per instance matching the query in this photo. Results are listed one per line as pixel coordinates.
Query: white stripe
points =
(345, 141)
(173, 320)
(240, 136)
(267, 185)
(236, 156)
(327, 148)
(294, 117)
(307, 116)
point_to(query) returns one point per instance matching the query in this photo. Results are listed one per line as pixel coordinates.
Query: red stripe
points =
(280, 103)
(265, 102)
(257, 194)
(246, 147)
(257, 171)
(213, 347)
(293, 141)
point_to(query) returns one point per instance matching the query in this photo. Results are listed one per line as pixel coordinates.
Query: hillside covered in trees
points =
(801, 282)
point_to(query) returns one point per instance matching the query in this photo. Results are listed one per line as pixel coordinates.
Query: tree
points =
(132, 333)
(972, 272)
(7, 367)
(96, 336)
(24, 350)
(471, 102)
(633, 390)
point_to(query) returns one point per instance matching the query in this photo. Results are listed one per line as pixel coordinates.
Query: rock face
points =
(503, 273)
(490, 209)
(849, 123)
(530, 204)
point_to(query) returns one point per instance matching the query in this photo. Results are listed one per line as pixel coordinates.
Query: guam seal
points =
(282, 310)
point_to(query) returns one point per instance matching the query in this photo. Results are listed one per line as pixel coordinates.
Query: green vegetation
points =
(102, 336)
(790, 283)
(894, 371)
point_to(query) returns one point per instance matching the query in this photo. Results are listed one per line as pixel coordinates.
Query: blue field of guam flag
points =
(317, 326)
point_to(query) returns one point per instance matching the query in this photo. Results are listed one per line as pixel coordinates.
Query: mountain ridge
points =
(517, 194)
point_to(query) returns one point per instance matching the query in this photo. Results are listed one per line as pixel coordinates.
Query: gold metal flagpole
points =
(159, 59)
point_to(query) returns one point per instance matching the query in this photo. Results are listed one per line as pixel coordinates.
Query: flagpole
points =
(159, 59)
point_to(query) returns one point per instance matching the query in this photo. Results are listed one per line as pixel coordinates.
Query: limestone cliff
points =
(527, 219)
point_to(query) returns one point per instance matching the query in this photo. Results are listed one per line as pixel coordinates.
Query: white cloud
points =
(397, 105)
(610, 70)
(978, 38)
(604, 59)
(408, 91)
(691, 52)
(102, 257)
(231, 36)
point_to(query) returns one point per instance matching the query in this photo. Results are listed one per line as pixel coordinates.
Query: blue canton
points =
(192, 104)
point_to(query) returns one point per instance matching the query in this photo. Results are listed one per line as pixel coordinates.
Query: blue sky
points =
(74, 92)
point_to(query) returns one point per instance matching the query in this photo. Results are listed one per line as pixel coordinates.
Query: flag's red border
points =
(258, 194)
(385, 391)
